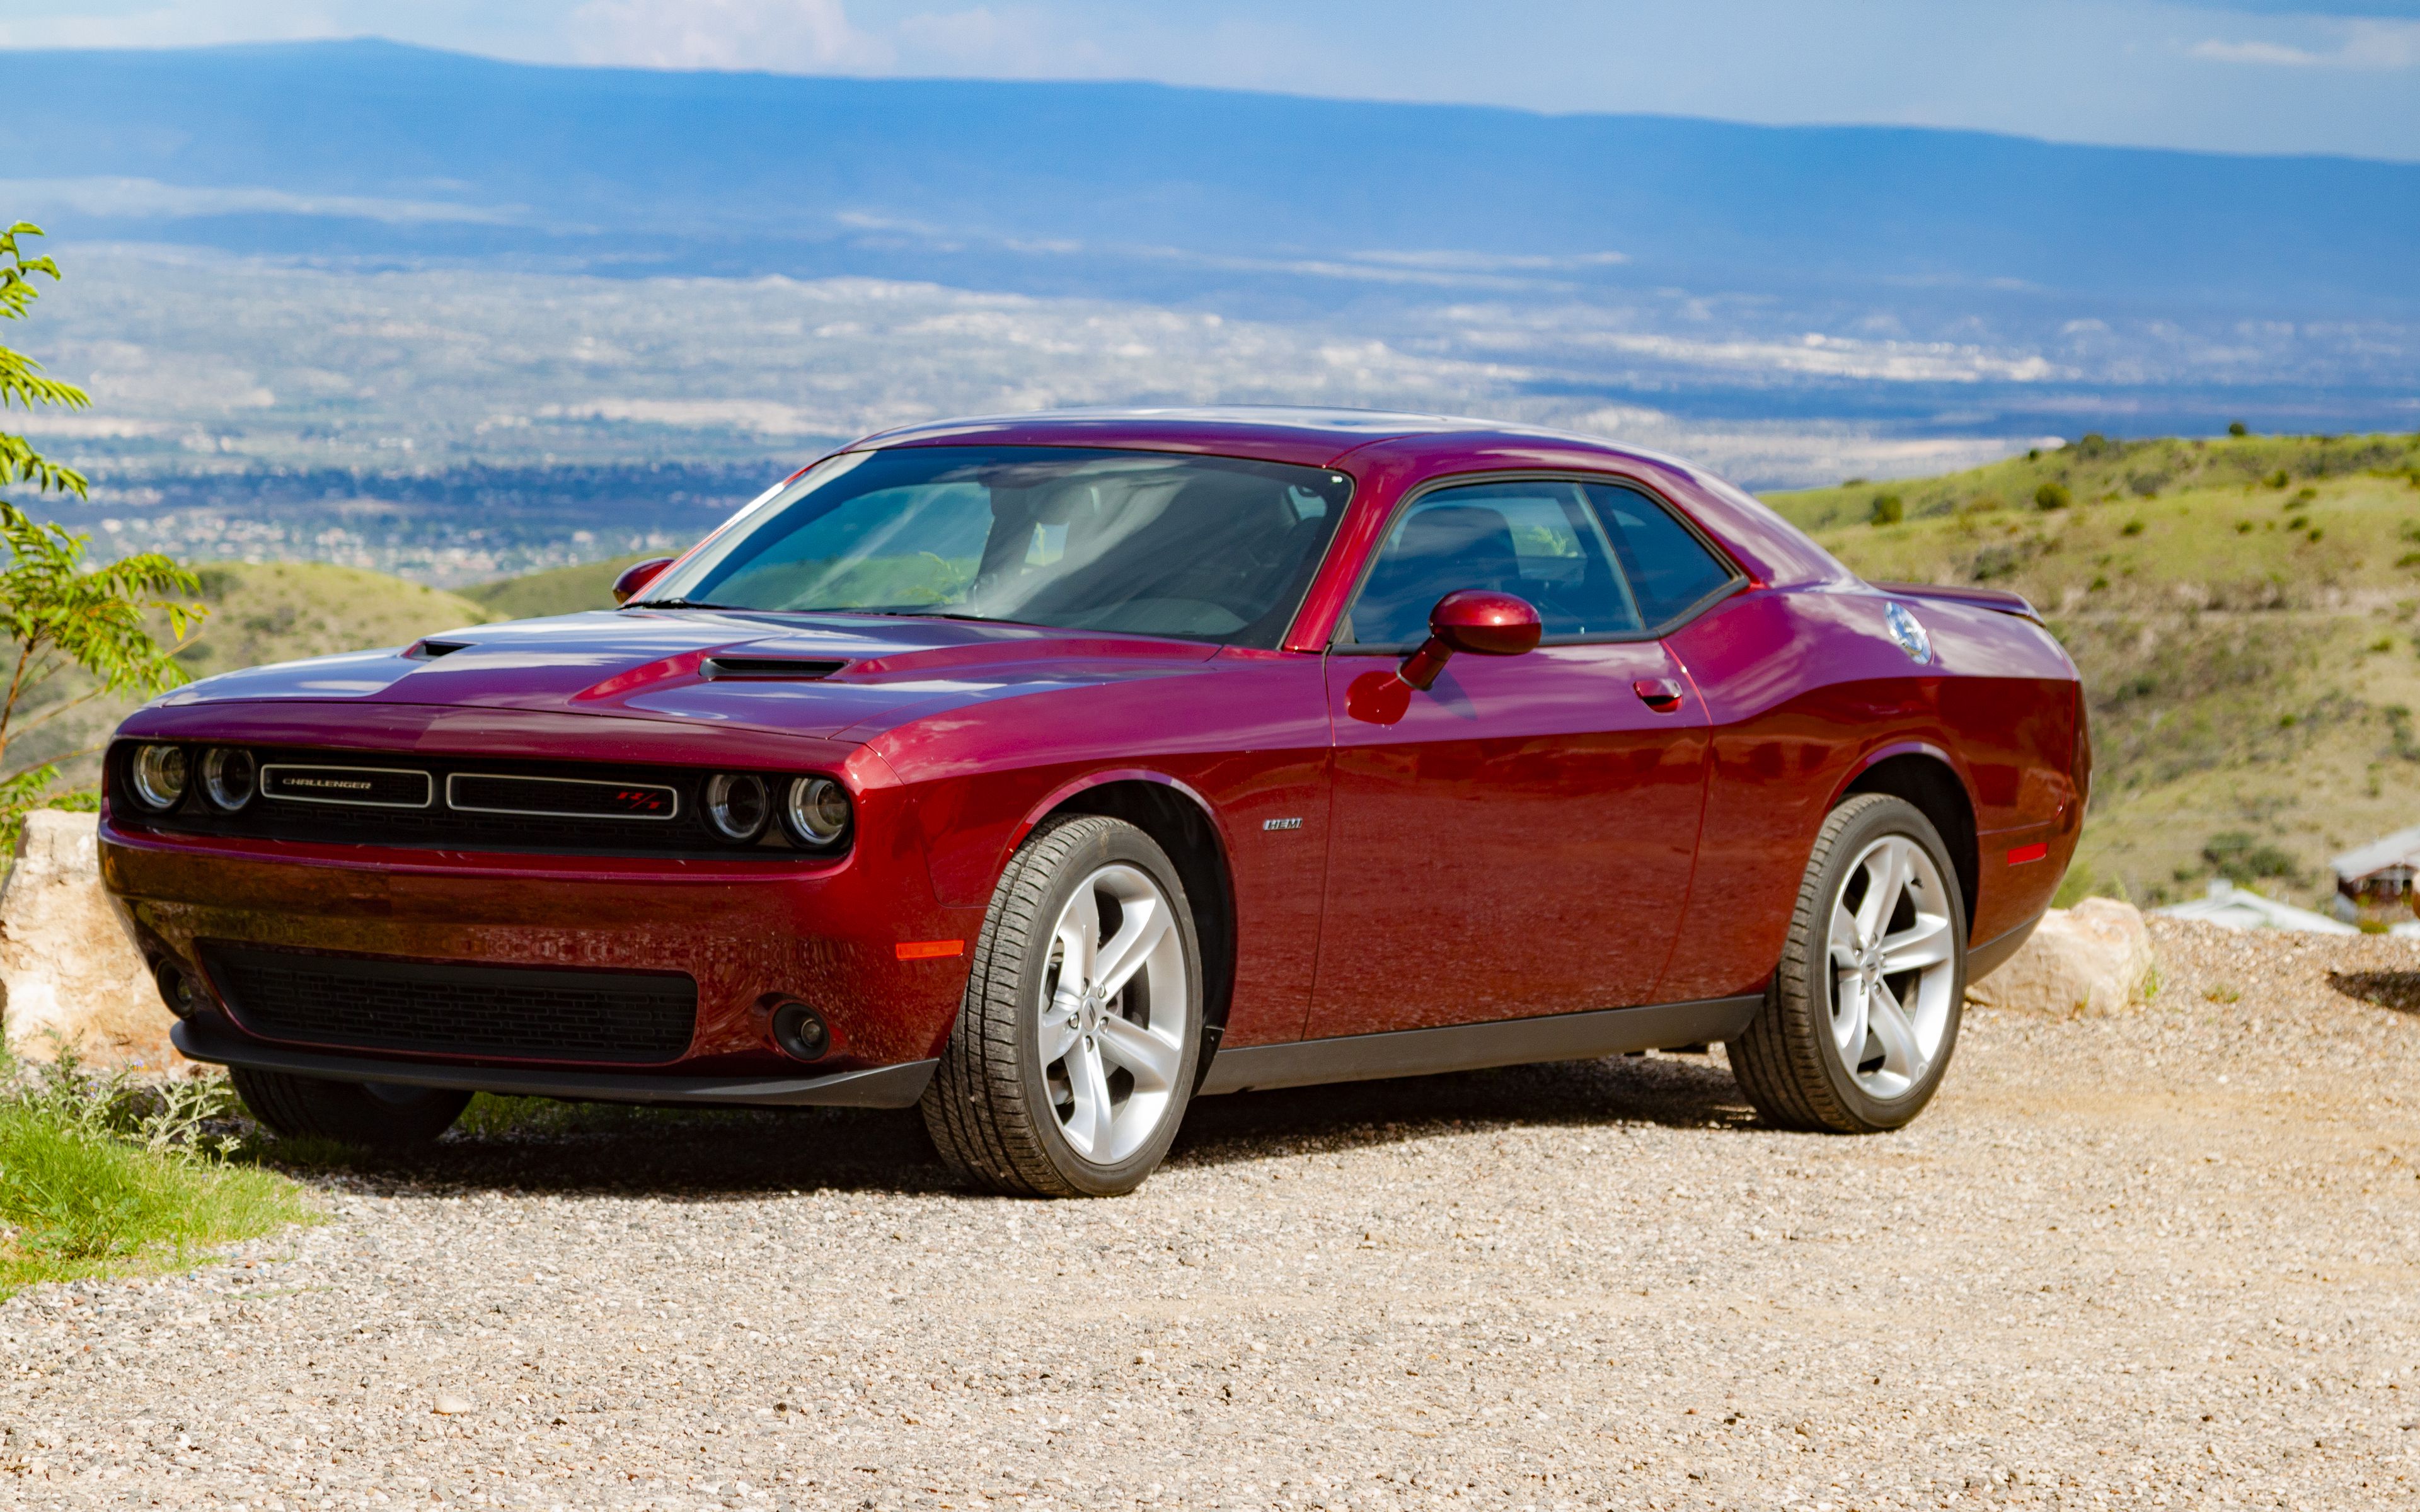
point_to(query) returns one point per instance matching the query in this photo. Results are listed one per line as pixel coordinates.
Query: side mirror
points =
(637, 576)
(1475, 619)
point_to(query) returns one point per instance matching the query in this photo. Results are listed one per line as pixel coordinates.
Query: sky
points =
(2272, 76)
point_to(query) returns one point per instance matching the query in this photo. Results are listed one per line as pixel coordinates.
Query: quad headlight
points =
(736, 806)
(816, 813)
(228, 779)
(156, 776)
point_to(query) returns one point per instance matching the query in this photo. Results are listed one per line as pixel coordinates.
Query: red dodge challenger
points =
(1051, 771)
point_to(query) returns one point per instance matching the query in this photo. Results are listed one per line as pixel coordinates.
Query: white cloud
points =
(1015, 39)
(172, 25)
(2384, 45)
(2275, 54)
(133, 197)
(780, 35)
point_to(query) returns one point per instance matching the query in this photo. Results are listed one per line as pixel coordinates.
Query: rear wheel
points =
(1863, 1013)
(1074, 1055)
(371, 1115)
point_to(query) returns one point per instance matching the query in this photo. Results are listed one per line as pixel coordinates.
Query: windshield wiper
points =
(676, 603)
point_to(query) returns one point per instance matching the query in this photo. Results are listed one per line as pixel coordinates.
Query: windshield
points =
(1150, 543)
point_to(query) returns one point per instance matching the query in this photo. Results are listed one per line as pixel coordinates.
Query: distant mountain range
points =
(1139, 191)
(1792, 304)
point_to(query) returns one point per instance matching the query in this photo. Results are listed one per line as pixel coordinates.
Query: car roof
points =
(1278, 433)
(1773, 550)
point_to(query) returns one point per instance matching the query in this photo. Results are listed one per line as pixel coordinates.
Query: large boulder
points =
(2093, 958)
(71, 977)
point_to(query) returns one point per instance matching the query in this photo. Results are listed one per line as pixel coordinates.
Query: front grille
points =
(560, 797)
(441, 803)
(351, 787)
(519, 1013)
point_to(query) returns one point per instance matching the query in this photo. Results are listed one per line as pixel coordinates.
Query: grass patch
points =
(106, 1175)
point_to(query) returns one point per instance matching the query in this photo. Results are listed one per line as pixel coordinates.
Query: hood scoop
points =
(430, 650)
(767, 669)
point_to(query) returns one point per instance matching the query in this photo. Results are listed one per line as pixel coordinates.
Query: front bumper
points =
(750, 937)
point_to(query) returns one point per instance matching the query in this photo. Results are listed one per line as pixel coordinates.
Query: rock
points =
(450, 1405)
(71, 977)
(2092, 958)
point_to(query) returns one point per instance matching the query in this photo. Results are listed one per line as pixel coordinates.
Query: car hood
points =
(832, 676)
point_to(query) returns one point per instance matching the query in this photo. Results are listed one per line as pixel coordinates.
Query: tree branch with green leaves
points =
(60, 612)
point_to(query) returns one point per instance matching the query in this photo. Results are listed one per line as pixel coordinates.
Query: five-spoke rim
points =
(1891, 942)
(1116, 1008)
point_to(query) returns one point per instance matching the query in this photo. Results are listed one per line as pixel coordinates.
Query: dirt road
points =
(2166, 1260)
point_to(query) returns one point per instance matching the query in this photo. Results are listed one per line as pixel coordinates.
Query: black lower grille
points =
(525, 1012)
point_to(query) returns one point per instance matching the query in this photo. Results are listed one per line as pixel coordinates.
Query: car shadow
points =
(2397, 990)
(528, 1146)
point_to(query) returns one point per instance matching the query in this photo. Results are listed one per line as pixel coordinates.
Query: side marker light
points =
(929, 950)
(2023, 854)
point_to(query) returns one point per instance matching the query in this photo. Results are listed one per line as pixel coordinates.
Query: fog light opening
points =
(799, 1031)
(182, 990)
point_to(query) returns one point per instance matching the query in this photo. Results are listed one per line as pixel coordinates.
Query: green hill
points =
(2243, 611)
(559, 591)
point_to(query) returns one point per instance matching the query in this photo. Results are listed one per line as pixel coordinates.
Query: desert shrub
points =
(2053, 496)
(2132, 527)
(2399, 731)
(2093, 444)
(2237, 428)
(2003, 559)
(2279, 479)
(1888, 509)
(2239, 857)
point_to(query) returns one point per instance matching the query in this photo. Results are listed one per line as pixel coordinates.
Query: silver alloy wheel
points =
(1891, 942)
(1116, 1015)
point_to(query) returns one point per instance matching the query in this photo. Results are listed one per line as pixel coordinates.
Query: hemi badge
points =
(929, 950)
(1280, 824)
(2028, 853)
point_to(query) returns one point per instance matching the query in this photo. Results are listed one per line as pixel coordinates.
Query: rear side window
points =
(1597, 561)
(1669, 570)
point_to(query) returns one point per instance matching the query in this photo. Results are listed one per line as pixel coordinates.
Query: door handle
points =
(1661, 694)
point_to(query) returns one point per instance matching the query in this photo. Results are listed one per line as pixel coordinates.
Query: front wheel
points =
(1075, 1050)
(369, 1115)
(1863, 1013)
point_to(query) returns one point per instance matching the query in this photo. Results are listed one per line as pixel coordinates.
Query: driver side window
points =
(1538, 539)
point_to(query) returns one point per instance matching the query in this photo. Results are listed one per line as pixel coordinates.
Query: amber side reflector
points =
(929, 950)
(2028, 853)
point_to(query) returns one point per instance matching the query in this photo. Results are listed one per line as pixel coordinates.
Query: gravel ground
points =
(2161, 1260)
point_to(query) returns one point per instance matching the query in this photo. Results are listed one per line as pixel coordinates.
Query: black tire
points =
(1786, 1060)
(367, 1114)
(992, 1110)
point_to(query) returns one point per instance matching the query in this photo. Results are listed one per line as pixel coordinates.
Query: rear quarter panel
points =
(1806, 690)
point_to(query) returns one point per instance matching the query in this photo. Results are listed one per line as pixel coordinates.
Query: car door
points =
(1518, 838)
